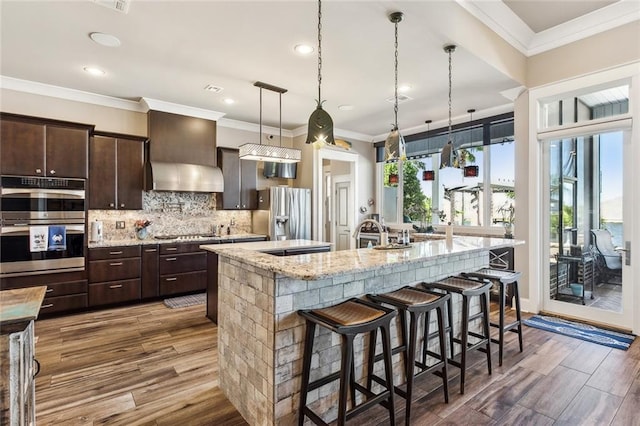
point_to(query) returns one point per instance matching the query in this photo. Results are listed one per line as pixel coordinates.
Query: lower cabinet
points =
(182, 268)
(114, 275)
(150, 261)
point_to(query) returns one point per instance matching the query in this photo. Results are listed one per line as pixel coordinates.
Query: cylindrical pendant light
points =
(394, 145)
(448, 155)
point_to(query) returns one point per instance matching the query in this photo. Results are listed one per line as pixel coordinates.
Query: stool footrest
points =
(323, 381)
(506, 326)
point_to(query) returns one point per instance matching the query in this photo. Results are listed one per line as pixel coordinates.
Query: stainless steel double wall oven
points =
(29, 203)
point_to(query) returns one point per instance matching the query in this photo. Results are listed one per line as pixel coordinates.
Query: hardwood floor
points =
(151, 365)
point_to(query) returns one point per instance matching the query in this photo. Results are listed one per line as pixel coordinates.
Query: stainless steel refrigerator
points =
(283, 213)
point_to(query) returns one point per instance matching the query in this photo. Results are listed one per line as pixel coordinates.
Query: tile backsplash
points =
(172, 213)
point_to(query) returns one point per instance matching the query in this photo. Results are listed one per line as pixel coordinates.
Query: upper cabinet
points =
(116, 172)
(240, 181)
(38, 147)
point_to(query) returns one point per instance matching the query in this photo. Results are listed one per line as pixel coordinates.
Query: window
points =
(417, 191)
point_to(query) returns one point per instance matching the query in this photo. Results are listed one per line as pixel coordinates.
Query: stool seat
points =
(411, 296)
(460, 285)
(505, 276)
(349, 313)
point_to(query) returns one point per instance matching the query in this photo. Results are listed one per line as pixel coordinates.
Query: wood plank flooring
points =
(151, 365)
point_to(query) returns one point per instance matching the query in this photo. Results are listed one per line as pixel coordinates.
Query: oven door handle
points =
(44, 193)
(20, 230)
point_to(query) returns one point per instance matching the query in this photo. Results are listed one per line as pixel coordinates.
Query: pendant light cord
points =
(395, 105)
(450, 50)
(261, 116)
(319, 51)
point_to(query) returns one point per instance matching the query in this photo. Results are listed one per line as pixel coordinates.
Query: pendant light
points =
(274, 154)
(320, 131)
(448, 155)
(469, 171)
(394, 145)
(428, 175)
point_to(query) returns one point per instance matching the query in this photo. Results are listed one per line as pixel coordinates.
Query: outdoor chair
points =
(609, 261)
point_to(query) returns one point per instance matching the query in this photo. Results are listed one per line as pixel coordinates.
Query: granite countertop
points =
(21, 304)
(152, 240)
(265, 246)
(323, 265)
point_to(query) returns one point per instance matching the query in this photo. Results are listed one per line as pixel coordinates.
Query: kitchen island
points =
(260, 334)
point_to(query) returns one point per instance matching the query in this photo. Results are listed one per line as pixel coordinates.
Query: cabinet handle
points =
(171, 259)
(113, 253)
(116, 286)
(122, 205)
(37, 367)
(38, 170)
(237, 206)
(111, 205)
(172, 248)
(115, 264)
(150, 250)
(49, 290)
(171, 279)
(52, 172)
(50, 305)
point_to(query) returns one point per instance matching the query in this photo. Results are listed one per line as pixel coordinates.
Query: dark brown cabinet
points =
(150, 261)
(67, 291)
(182, 268)
(114, 275)
(240, 181)
(37, 147)
(116, 172)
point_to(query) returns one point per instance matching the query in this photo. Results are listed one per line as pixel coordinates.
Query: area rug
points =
(184, 301)
(581, 331)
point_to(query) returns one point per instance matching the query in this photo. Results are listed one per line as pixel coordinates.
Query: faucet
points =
(356, 233)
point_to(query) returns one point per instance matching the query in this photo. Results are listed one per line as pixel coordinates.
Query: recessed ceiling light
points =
(105, 39)
(94, 71)
(214, 89)
(228, 101)
(346, 107)
(303, 49)
(405, 88)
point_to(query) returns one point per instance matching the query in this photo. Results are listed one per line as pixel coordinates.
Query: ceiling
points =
(171, 50)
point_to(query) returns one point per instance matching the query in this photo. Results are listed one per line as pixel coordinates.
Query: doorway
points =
(342, 212)
(585, 192)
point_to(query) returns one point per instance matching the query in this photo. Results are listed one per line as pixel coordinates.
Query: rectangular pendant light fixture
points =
(274, 154)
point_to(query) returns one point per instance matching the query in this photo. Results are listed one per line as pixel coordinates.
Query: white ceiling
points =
(172, 49)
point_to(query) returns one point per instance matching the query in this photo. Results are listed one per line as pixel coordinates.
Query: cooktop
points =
(184, 237)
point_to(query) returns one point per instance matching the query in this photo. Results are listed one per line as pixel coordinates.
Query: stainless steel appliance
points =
(283, 213)
(28, 203)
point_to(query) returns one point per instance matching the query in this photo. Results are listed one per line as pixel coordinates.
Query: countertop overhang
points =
(265, 246)
(323, 265)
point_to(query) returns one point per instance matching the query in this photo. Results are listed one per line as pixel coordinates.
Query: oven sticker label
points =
(57, 238)
(38, 238)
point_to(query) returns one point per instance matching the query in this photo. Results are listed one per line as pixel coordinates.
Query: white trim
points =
(328, 153)
(601, 125)
(158, 105)
(504, 22)
(59, 92)
(252, 127)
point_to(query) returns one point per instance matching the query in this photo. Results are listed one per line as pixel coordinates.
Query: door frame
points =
(328, 153)
(537, 269)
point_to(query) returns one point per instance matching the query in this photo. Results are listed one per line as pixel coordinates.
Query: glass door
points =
(586, 232)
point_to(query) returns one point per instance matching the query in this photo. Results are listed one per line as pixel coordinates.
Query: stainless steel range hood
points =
(161, 176)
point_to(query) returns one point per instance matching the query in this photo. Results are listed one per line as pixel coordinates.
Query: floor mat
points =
(581, 331)
(184, 301)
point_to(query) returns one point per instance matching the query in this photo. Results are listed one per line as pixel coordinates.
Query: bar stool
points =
(416, 302)
(507, 281)
(347, 319)
(467, 288)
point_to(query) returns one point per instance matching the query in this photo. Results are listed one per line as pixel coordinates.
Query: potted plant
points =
(508, 216)
(141, 228)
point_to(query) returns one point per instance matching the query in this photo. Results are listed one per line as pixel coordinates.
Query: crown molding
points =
(158, 105)
(504, 22)
(59, 92)
(252, 127)
(339, 133)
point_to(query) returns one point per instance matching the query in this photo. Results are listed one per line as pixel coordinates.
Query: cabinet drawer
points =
(183, 283)
(64, 303)
(115, 269)
(63, 289)
(114, 292)
(180, 248)
(103, 253)
(183, 263)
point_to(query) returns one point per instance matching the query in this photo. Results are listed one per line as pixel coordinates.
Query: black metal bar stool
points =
(348, 319)
(507, 281)
(467, 288)
(416, 302)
